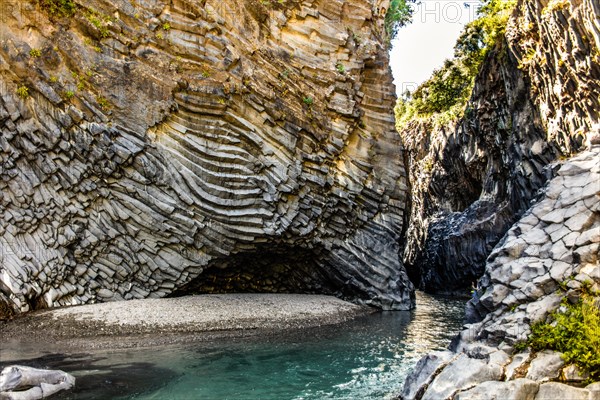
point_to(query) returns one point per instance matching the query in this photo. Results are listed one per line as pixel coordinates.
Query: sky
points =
(423, 45)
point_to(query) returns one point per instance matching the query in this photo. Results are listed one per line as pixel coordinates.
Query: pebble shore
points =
(140, 323)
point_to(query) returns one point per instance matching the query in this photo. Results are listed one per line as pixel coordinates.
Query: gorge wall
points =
(151, 147)
(535, 101)
(537, 97)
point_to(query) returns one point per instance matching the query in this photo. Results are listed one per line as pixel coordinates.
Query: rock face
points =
(154, 147)
(546, 257)
(534, 100)
(558, 239)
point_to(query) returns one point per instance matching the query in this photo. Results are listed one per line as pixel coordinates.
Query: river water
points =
(367, 358)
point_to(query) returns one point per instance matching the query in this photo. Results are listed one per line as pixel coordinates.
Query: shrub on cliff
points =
(575, 332)
(443, 97)
(58, 8)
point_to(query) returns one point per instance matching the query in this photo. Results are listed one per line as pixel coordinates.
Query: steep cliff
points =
(549, 259)
(160, 147)
(544, 270)
(534, 100)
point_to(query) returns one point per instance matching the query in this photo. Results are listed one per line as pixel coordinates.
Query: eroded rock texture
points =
(158, 140)
(546, 258)
(551, 254)
(535, 99)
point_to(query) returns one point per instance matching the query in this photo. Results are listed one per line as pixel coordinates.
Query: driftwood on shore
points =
(26, 383)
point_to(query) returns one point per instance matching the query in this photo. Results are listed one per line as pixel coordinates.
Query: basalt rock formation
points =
(547, 81)
(534, 101)
(545, 259)
(152, 148)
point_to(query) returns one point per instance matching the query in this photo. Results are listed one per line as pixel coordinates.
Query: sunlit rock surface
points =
(157, 140)
(535, 241)
(535, 101)
(547, 257)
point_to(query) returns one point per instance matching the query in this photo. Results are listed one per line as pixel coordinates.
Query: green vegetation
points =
(103, 103)
(443, 97)
(340, 68)
(398, 15)
(575, 332)
(81, 80)
(35, 53)
(100, 21)
(355, 37)
(166, 26)
(89, 42)
(284, 75)
(308, 101)
(58, 8)
(528, 57)
(69, 94)
(23, 91)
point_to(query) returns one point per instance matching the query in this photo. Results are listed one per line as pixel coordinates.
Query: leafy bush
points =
(103, 103)
(35, 53)
(58, 8)
(23, 91)
(100, 21)
(443, 96)
(574, 332)
(398, 15)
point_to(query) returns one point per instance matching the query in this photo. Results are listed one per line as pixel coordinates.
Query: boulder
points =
(545, 366)
(594, 390)
(416, 382)
(26, 383)
(516, 365)
(519, 389)
(556, 390)
(572, 373)
(463, 372)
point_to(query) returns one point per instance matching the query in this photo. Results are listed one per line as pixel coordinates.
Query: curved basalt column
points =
(157, 140)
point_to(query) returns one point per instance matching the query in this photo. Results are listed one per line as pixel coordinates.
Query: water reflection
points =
(367, 358)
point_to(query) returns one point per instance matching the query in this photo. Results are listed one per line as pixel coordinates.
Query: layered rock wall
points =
(534, 100)
(144, 142)
(547, 82)
(550, 257)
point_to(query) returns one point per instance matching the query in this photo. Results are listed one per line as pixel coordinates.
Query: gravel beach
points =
(141, 323)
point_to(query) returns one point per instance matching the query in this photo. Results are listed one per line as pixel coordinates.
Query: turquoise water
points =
(367, 358)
